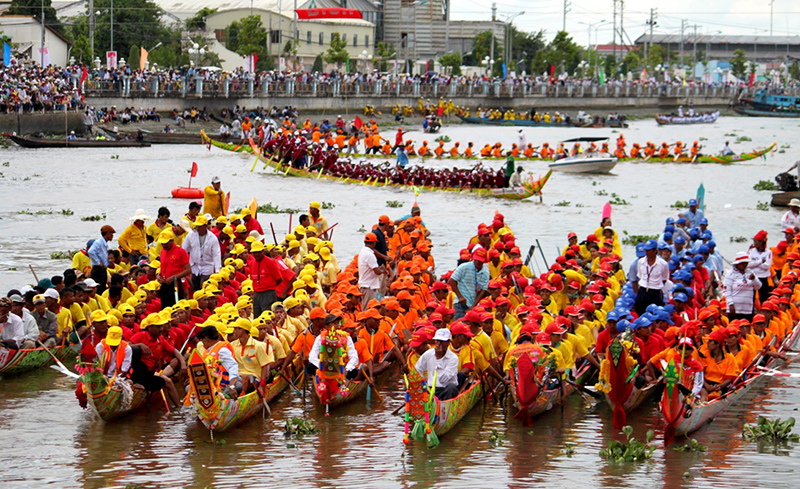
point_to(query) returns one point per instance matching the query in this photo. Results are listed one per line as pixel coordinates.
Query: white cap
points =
(90, 282)
(215, 180)
(741, 257)
(51, 293)
(25, 289)
(442, 335)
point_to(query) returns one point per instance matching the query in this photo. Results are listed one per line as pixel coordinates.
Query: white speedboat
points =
(593, 162)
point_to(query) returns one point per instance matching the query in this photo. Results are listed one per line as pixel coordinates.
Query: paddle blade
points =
(65, 371)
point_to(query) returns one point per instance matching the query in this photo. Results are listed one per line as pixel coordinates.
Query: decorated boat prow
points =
(110, 399)
(15, 362)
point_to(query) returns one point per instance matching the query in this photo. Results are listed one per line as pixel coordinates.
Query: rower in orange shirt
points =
(515, 150)
(468, 151)
(695, 149)
(367, 142)
(664, 151)
(649, 149)
(635, 150)
(454, 151)
(678, 148)
(340, 141)
(545, 153)
(560, 151)
(497, 151)
(528, 153)
(410, 151)
(423, 150)
(386, 149)
(315, 136)
(307, 125)
(439, 150)
(352, 144)
(486, 151)
(330, 141)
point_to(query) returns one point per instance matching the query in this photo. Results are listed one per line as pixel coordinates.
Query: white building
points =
(25, 32)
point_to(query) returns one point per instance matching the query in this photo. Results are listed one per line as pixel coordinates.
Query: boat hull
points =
(77, 143)
(109, 401)
(782, 199)
(514, 122)
(663, 119)
(767, 113)
(444, 415)
(584, 165)
(548, 398)
(15, 362)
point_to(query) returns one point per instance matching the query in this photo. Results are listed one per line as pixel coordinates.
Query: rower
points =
(720, 367)
(381, 347)
(256, 360)
(365, 359)
(439, 366)
(225, 368)
(115, 354)
(153, 352)
(470, 357)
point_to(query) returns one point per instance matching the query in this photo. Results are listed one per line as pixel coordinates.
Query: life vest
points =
(119, 357)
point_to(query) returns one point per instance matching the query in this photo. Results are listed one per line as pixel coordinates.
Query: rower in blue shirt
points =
(693, 215)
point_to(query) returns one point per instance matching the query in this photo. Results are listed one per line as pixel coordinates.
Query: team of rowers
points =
(261, 306)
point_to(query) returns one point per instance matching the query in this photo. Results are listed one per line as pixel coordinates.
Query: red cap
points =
(460, 328)
(479, 255)
(438, 286)
(483, 230)
(529, 328)
(592, 238)
(555, 328)
(419, 337)
(444, 310)
(761, 235)
(472, 317)
(719, 335)
(543, 338)
(574, 284)
(495, 284)
(436, 317)
(503, 300)
(464, 254)
(572, 235)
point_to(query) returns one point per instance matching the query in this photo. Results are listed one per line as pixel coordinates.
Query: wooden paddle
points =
(58, 366)
(283, 376)
(371, 383)
(583, 389)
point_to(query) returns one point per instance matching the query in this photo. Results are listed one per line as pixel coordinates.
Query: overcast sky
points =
(734, 17)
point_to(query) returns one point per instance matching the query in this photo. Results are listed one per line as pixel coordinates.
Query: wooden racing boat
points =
(681, 421)
(432, 418)
(545, 399)
(528, 189)
(351, 390)
(618, 370)
(216, 411)
(110, 401)
(709, 158)
(666, 119)
(15, 362)
(75, 143)
(513, 122)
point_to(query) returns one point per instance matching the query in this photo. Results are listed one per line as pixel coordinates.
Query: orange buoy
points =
(187, 193)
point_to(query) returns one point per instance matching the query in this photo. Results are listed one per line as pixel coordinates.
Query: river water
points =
(49, 439)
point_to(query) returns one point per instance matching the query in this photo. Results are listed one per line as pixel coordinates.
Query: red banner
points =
(328, 13)
(194, 170)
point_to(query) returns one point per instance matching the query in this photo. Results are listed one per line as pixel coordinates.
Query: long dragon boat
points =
(15, 362)
(528, 189)
(432, 418)
(667, 119)
(109, 399)
(240, 148)
(681, 420)
(531, 400)
(513, 122)
(616, 380)
(218, 412)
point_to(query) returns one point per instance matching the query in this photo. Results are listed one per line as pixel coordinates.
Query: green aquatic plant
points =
(563, 203)
(763, 206)
(299, 426)
(766, 185)
(394, 204)
(634, 239)
(770, 429)
(631, 450)
(496, 438)
(693, 446)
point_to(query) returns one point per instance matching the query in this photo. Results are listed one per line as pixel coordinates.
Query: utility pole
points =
(564, 17)
(771, 3)
(491, 48)
(652, 22)
(621, 28)
(446, 4)
(694, 56)
(91, 26)
(614, 35)
(41, 52)
(680, 54)
(112, 25)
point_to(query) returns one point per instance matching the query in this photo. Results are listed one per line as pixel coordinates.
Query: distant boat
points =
(74, 143)
(597, 122)
(593, 162)
(767, 101)
(664, 119)
(740, 109)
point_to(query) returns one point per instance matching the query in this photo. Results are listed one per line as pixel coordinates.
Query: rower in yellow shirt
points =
(133, 239)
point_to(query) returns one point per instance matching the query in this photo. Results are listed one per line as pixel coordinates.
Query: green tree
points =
(655, 56)
(336, 53)
(81, 49)
(526, 46)
(198, 22)
(610, 66)
(34, 8)
(134, 56)
(265, 61)
(317, 67)
(794, 71)
(251, 36)
(481, 48)
(631, 62)
(383, 53)
(738, 64)
(564, 52)
(451, 61)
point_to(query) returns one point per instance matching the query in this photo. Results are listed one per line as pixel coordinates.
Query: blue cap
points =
(670, 220)
(612, 315)
(89, 243)
(669, 228)
(702, 249)
(664, 316)
(663, 246)
(650, 245)
(689, 292)
(639, 250)
(698, 258)
(706, 235)
(694, 234)
(623, 325)
(680, 296)
(669, 308)
(681, 220)
(641, 322)
(689, 266)
(652, 307)
(704, 221)
(711, 244)
(667, 235)
(680, 240)
(692, 202)
(673, 265)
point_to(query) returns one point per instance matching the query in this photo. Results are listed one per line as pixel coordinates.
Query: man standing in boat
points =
(652, 273)
(204, 253)
(214, 202)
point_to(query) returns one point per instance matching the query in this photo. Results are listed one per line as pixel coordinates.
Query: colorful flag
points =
(602, 76)
(143, 58)
(552, 72)
(6, 54)
(358, 123)
(83, 77)
(194, 169)
(416, 190)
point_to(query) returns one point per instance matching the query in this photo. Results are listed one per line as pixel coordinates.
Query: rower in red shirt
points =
(174, 266)
(153, 366)
(99, 322)
(268, 278)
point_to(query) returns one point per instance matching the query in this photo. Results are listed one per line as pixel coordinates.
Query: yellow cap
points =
(238, 263)
(127, 307)
(98, 316)
(165, 237)
(112, 320)
(243, 303)
(246, 212)
(241, 228)
(235, 217)
(114, 336)
(246, 289)
(256, 247)
(315, 205)
(222, 219)
(243, 323)
(293, 244)
(290, 302)
(300, 230)
(200, 221)
(267, 315)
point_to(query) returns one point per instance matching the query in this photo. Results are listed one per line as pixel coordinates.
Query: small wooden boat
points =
(785, 113)
(217, 412)
(782, 199)
(331, 387)
(545, 399)
(432, 418)
(187, 193)
(667, 119)
(682, 421)
(110, 401)
(161, 137)
(528, 189)
(15, 362)
(618, 371)
(513, 122)
(75, 143)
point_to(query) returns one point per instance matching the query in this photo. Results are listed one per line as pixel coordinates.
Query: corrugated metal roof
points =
(718, 39)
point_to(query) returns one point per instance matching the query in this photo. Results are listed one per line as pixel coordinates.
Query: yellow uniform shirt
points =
(484, 342)
(68, 318)
(278, 348)
(82, 262)
(98, 302)
(133, 239)
(470, 355)
(214, 202)
(565, 348)
(153, 230)
(251, 356)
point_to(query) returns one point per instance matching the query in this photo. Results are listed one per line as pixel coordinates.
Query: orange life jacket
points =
(119, 357)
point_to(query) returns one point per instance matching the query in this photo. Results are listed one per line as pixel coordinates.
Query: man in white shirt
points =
(652, 273)
(352, 354)
(523, 142)
(369, 272)
(12, 331)
(439, 366)
(204, 252)
(739, 288)
(792, 217)
(108, 352)
(28, 322)
(760, 262)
